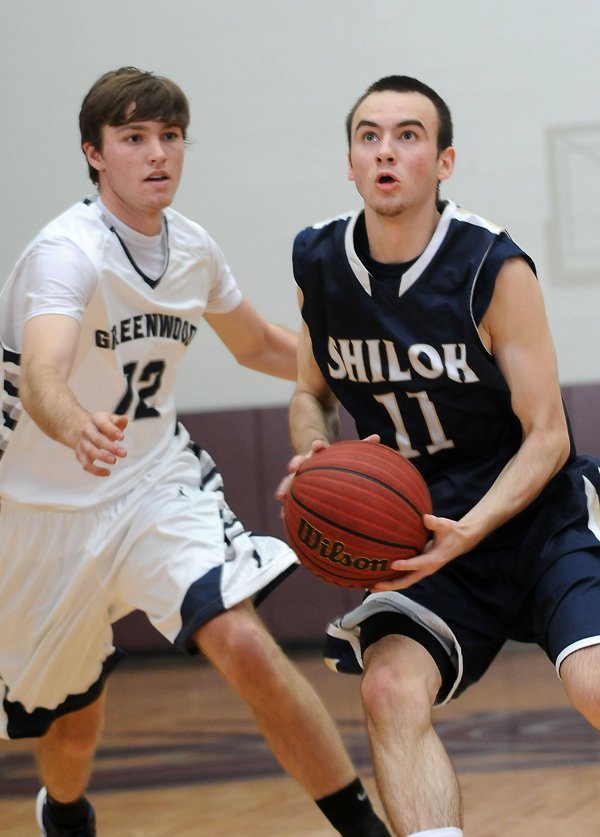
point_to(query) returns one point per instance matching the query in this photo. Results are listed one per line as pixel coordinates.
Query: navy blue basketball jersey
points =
(400, 348)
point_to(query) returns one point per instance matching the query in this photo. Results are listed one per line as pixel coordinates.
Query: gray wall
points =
(270, 82)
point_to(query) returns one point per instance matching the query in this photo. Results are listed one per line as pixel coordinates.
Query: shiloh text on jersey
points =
(375, 360)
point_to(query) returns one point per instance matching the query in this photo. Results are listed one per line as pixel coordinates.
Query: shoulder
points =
(189, 234)
(471, 220)
(468, 231)
(492, 238)
(75, 222)
(490, 250)
(322, 233)
(323, 229)
(78, 230)
(471, 223)
(74, 235)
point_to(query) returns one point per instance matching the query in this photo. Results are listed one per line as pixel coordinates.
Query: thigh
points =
(476, 601)
(54, 621)
(580, 673)
(458, 615)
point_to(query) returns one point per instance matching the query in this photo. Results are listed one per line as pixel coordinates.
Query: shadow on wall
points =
(251, 449)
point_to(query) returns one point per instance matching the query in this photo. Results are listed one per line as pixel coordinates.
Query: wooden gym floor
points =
(180, 756)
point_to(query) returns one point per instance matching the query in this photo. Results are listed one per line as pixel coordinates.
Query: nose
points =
(156, 151)
(386, 153)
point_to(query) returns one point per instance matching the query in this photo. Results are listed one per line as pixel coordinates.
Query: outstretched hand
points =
(99, 440)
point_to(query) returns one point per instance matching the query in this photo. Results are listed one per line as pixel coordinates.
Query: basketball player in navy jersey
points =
(107, 506)
(427, 323)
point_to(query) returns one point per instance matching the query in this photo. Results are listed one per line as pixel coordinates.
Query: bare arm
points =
(521, 343)
(256, 343)
(49, 348)
(313, 411)
(516, 330)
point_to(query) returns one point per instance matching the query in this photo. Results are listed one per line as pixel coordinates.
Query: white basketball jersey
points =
(134, 332)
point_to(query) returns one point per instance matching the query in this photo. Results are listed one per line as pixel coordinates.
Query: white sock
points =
(438, 832)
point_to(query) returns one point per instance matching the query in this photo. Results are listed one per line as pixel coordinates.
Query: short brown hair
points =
(127, 94)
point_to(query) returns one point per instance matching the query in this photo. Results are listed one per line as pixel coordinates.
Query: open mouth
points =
(386, 178)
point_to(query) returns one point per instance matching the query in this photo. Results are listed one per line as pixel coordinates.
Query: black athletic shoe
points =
(49, 829)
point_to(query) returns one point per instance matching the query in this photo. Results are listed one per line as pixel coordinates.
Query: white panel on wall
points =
(574, 234)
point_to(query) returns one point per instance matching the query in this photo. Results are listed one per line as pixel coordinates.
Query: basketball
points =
(352, 509)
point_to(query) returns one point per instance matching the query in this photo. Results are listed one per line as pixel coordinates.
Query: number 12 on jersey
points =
(140, 388)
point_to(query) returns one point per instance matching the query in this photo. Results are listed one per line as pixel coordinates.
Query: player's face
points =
(139, 168)
(394, 159)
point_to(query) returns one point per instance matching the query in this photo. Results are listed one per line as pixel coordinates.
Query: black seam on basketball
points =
(306, 470)
(342, 528)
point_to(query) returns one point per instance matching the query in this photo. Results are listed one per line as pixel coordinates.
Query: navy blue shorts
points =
(536, 579)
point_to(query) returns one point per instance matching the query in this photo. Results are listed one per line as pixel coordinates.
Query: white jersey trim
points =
(451, 212)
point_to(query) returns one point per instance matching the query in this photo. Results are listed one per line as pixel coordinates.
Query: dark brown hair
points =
(406, 84)
(126, 95)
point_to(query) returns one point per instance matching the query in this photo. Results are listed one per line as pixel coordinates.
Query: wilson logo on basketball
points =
(335, 551)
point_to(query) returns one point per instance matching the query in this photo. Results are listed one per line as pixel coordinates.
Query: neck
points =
(402, 237)
(147, 223)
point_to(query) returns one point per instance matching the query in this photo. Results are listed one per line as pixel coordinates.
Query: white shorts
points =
(171, 548)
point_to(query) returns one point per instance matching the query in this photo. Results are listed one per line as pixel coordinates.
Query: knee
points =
(580, 673)
(239, 645)
(76, 734)
(587, 703)
(398, 687)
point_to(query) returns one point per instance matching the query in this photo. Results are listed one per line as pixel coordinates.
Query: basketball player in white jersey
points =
(106, 505)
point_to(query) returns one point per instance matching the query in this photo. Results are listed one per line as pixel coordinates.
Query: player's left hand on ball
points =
(448, 541)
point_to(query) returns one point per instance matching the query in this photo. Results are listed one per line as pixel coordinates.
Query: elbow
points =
(325, 402)
(25, 393)
(561, 449)
(564, 453)
(269, 363)
(248, 360)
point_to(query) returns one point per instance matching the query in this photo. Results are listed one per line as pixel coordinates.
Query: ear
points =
(350, 168)
(446, 163)
(93, 156)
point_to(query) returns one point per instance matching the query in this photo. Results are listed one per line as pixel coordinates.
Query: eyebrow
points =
(139, 126)
(366, 123)
(130, 126)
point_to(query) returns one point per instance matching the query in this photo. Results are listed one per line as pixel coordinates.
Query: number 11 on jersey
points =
(430, 416)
